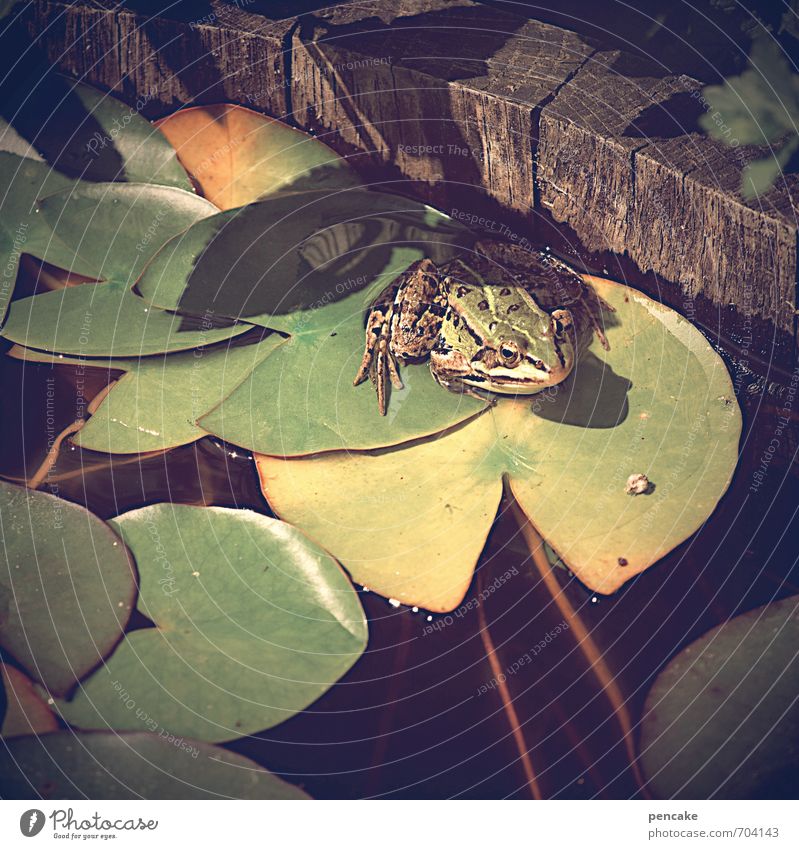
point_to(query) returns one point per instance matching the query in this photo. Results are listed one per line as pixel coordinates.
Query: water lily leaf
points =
(22, 181)
(89, 134)
(301, 400)
(132, 766)
(156, 403)
(299, 263)
(659, 403)
(722, 719)
(253, 623)
(107, 320)
(12, 142)
(310, 265)
(106, 230)
(237, 156)
(111, 230)
(27, 712)
(66, 586)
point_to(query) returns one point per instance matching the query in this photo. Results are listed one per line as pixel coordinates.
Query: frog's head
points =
(509, 344)
(524, 361)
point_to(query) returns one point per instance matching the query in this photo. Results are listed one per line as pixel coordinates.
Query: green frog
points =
(504, 320)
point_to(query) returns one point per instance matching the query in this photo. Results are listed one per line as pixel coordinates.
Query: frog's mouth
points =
(517, 381)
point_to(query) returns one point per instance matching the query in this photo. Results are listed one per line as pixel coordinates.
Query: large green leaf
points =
(111, 230)
(237, 156)
(22, 182)
(132, 766)
(89, 134)
(107, 230)
(156, 404)
(414, 518)
(107, 320)
(253, 623)
(66, 586)
(722, 719)
(299, 263)
(301, 400)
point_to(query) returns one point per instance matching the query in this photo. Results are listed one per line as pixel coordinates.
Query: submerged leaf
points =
(237, 156)
(411, 527)
(132, 766)
(66, 586)
(253, 623)
(722, 719)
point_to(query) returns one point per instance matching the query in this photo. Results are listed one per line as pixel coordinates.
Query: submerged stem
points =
(52, 455)
(507, 700)
(588, 647)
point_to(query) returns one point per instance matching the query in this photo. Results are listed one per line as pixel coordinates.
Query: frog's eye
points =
(509, 351)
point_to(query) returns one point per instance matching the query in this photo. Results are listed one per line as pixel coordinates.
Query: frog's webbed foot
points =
(378, 362)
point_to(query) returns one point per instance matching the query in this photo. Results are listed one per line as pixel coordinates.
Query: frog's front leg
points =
(403, 324)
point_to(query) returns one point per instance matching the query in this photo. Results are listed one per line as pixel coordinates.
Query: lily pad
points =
(156, 403)
(253, 623)
(300, 262)
(89, 134)
(107, 320)
(132, 766)
(66, 586)
(27, 712)
(12, 142)
(237, 156)
(411, 527)
(310, 265)
(722, 719)
(301, 400)
(22, 182)
(111, 230)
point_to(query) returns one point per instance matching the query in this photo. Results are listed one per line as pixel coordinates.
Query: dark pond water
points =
(410, 719)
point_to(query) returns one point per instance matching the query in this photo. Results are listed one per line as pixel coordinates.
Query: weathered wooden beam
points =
(621, 162)
(224, 54)
(454, 95)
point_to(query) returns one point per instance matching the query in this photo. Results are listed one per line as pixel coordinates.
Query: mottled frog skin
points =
(499, 320)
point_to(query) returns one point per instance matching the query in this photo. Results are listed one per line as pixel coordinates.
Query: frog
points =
(502, 321)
